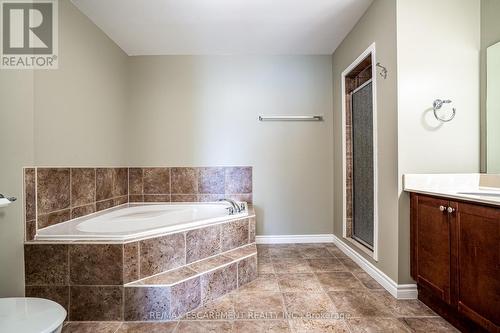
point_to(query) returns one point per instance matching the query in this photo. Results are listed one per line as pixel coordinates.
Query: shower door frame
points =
(370, 51)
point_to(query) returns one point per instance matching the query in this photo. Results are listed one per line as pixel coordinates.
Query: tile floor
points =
(300, 288)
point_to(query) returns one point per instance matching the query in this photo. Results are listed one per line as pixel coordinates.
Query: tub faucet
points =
(235, 208)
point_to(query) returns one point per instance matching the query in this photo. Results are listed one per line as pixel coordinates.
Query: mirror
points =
(493, 108)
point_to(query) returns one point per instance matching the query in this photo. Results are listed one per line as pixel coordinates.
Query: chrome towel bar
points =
(291, 118)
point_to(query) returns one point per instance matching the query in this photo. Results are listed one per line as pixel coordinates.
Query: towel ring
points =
(438, 103)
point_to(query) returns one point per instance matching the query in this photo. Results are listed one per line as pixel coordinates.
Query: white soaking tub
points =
(133, 221)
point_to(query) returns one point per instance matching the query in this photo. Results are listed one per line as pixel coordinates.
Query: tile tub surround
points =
(229, 313)
(55, 195)
(92, 280)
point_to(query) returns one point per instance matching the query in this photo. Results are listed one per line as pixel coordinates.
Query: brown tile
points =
(29, 194)
(336, 251)
(136, 198)
(210, 197)
(120, 182)
(130, 262)
(82, 186)
(202, 243)
(338, 281)
(263, 283)
(204, 326)
(157, 198)
(219, 309)
(183, 198)
(47, 220)
(156, 180)
(303, 325)
(402, 307)
(241, 197)
(254, 305)
(91, 327)
(285, 252)
(301, 304)
(242, 252)
(429, 325)
(161, 254)
(170, 277)
(106, 204)
(289, 265)
(120, 200)
(219, 282)
(264, 267)
(314, 253)
(104, 183)
(367, 280)
(185, 296)
(299, 283)
(184, 180)
(135, 181)
(234, 234)
(95, 303)
(253, 326)
(30, 230)
(96, 264)
(53, 189)
(58, 294)
(46, 264)
(381, 325)
(147, 303)
(238, 180)
(326, 265)
(211, 180)
(247, 270)
(210, 263)
(82, 211)
(251, 229)
(358, 303)
(167, 327)
(350, 265)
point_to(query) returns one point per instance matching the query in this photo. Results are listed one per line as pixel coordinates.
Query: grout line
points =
(198, 274)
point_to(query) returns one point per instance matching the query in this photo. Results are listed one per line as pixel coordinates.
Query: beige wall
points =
(440, 59)
(377, 25)
(202, 110)
(80, 107)
(490, 34)
(16, 150)
(74, 115)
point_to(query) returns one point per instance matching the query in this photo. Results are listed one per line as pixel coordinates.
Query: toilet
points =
(30, 315)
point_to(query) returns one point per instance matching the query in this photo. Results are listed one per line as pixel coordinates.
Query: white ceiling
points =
(154, 27)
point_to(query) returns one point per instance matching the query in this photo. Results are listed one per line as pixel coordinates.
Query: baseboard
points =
(399, 291)
(283, 239)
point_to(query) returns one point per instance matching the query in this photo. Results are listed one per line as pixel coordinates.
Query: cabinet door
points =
(431, 247)
(478, 288)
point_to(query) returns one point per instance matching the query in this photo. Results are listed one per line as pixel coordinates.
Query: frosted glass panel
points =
(362, 164)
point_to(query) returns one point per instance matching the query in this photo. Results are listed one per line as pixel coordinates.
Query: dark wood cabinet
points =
(455, 259)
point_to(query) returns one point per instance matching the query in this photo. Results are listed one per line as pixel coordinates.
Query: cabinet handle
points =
(451, 210)
(442, 208)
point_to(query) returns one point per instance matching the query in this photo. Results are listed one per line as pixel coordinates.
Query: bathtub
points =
(136, 221)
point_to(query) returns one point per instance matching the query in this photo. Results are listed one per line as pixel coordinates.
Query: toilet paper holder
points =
(4, 201)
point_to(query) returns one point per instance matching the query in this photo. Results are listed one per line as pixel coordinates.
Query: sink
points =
(485, 193)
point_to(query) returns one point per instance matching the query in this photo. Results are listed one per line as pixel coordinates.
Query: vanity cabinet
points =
(455, 259)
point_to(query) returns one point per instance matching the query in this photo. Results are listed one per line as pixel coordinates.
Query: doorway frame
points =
(370, 51)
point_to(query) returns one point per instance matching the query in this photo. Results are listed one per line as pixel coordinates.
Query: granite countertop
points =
(481, 188)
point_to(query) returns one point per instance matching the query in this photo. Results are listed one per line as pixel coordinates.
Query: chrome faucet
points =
(235, 207)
